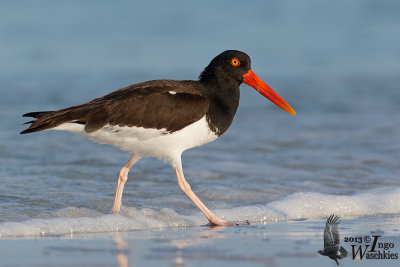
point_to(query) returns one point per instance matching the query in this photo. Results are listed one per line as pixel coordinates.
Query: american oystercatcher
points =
(163, 118)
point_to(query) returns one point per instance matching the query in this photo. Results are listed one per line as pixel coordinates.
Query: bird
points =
(163, 118)
(332, 248)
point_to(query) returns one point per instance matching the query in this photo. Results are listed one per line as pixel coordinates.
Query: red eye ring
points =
(235, 62)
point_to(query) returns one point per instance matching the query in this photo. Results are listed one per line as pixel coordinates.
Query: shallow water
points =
(275, 244)
(338, 67)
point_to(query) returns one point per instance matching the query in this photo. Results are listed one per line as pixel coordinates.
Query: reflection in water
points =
(123, 248)
(178, 247)
(186, 248)
(194, 240)
(210, 233)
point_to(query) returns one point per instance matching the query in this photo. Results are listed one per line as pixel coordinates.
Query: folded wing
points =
(159, 104)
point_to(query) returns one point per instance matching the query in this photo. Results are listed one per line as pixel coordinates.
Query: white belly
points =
(148, 142)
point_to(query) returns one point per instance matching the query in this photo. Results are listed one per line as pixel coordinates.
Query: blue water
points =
(336, 63)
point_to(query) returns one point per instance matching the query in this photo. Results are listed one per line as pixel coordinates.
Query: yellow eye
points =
(235, 62)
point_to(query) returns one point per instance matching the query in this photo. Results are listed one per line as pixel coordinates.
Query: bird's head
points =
(231, 68)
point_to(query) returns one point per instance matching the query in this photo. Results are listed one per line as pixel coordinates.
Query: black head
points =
(228, 68)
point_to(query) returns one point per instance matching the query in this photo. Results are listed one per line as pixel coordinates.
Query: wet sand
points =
(292, 243)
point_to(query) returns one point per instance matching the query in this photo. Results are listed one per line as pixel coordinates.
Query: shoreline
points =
(290, 243)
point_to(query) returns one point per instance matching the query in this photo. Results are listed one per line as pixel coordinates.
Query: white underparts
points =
(148, 142)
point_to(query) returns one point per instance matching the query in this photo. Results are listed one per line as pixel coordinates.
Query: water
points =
(336, 63)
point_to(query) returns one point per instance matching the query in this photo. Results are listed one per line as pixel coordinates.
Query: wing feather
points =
(331, 231)
(148, 105)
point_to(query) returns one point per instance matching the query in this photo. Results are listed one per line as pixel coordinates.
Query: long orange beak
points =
(251, 79)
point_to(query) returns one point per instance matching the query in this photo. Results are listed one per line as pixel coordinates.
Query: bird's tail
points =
(36, 115)
(342, 253)
(46, 120)
(93, 116)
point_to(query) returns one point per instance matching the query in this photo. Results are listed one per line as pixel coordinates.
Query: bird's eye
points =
(235, 62)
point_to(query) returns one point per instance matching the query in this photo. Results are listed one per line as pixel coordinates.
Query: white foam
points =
(302, 205)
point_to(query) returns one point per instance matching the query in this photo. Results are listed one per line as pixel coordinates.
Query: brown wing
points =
(159, 104)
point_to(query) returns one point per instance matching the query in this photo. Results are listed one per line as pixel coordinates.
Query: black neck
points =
(223, 96)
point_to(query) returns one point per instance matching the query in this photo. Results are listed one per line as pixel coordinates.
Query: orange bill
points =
(251, 79)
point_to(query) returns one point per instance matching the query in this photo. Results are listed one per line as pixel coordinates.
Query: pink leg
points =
(185, 187)
(122, 178)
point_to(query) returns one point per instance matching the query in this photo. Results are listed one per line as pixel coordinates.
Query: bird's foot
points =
(238, 223)
(113, 211)
(225, 223)
(116, 207)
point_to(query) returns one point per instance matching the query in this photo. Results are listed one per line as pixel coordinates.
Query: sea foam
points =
(301, 205)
